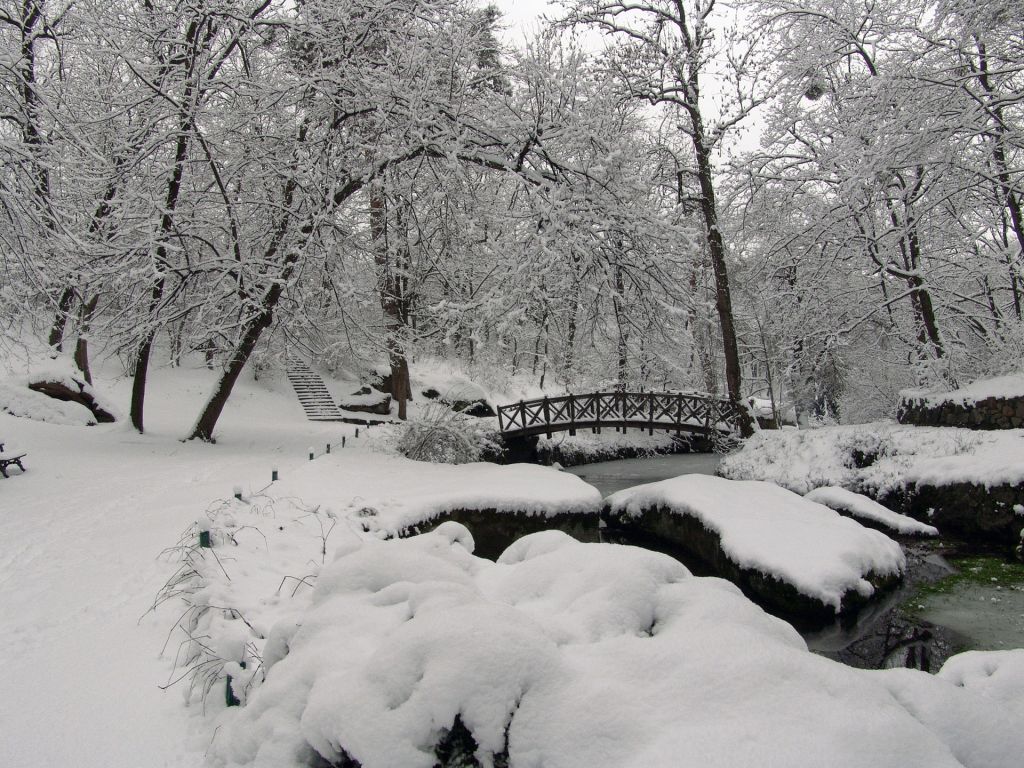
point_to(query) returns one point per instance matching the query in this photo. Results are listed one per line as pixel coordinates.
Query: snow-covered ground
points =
(81, 533)
(802, 460)
(570, 655)
(584, 447)
(388, 494)
(573, 630)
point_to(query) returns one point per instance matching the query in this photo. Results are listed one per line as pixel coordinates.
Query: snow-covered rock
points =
(869, 512)
(965, 482)
(387, 495)
(765, 538)
(569, 655)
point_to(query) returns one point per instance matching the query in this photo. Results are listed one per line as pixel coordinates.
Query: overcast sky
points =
(521, 15)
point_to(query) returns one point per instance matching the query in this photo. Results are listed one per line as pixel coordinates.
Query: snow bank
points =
(389, 494)
(996, 675)
(862, 508)
(268, 548)
(446, 379)
(1003, 387)
(766, 528)
(879, 458)
(569, 655)
(585, 447)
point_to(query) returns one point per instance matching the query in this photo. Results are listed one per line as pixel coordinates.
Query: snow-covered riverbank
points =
(82, 534)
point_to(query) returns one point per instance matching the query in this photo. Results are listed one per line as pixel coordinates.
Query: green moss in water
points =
(982, 602)
(972, 571)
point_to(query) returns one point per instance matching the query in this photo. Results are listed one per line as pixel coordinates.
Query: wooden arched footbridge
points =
(671, 411)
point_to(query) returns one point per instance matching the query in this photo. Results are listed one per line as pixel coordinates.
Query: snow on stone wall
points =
(987, 404)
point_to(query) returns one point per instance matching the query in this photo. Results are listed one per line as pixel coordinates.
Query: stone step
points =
(313, 395)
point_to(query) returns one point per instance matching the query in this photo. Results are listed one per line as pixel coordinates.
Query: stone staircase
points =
(316, 401)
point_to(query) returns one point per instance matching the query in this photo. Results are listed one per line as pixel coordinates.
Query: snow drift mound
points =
(800, 558)
(568, 655)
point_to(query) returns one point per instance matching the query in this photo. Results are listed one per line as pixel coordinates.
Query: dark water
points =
(902, 629)
(611, 476)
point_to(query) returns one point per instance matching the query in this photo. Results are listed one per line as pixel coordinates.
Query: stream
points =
(611, 476)
(954, 598)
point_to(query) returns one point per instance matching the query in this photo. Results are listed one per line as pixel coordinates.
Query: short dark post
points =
(357, 431)
(238, 492)
(273, 475)
(342, 441)
(328, 447)
(311, 453)
(229, 695)
(204, 540)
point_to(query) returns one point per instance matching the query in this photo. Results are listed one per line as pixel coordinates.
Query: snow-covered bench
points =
(6, 459)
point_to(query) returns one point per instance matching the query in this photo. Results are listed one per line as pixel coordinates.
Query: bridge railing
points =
(680, 411)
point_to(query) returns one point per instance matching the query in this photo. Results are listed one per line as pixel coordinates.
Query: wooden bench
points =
(7, 459)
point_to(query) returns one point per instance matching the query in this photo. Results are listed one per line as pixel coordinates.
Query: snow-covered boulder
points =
(869, 512)
(415, 653)
(387, 495)
(800, 559)
(367, 401)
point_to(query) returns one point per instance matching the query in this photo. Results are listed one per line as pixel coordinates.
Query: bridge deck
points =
(672, 411)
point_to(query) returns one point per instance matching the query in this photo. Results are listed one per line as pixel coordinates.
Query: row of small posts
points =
(206, 543)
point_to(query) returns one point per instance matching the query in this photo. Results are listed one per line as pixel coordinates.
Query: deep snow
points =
(81, 532)
(81, 537)
(802, 460)
(587, 656)
(769, 529)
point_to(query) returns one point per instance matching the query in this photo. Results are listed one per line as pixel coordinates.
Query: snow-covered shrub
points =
(586, 656)
(274, 549)
(442, 436)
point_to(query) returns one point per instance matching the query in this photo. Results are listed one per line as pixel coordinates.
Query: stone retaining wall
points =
(970, 511)
(990, 413)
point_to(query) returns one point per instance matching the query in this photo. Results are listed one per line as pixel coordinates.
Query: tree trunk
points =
(1010, 199)
(716, 247)
(145, 348)
(389, 287)
(623, 329)
(82, 345)
(570, 333)
(260, 321)
(60, 320)
(251, 333)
